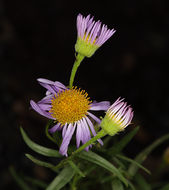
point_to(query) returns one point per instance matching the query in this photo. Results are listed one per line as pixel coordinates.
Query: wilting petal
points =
(39, 110)
(49, 88)
(56, 83)
(45, 107)
(46, 100)
(44, 81)
(52, 87)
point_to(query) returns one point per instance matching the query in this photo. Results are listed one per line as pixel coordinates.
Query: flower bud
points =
(117, 117)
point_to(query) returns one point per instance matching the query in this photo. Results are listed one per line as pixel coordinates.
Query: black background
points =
(37, 40)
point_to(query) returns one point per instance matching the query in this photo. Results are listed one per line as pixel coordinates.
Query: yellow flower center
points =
(70, 105)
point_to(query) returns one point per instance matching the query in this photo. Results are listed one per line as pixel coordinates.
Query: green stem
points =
(99, 135)
(47, 131)
(79, 59)
(74, 182)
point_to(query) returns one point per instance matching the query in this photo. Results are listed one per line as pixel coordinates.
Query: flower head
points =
(70, 109)
(117, 117)
(91, 35)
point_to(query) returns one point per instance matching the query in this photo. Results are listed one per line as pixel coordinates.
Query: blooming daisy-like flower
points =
(91, 35)
(70, 109)
(117, 117)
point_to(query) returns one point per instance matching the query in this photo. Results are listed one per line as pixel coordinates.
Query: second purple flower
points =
(90, 35)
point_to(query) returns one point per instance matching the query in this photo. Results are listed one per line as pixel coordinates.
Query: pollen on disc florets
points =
(70, 105)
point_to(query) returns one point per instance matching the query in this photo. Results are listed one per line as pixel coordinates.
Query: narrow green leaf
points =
(119, 162)
(117, 185)
(142, 183)
(75, 167)
(96, 159)
(118, 147)
(38, 148)
(40, 163)
(133, 162)
(18, 179)
(74, 181)
(143, 155)
(62, 179)
(166, 187)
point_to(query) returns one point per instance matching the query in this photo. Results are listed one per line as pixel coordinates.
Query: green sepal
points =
(109, 126)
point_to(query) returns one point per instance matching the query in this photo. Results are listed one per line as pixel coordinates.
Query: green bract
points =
(85, 48)
(109, 126)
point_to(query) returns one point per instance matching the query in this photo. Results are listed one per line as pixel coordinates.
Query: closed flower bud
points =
(117, 117)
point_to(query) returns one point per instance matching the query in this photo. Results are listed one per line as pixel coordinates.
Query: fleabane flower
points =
(117, 117)
(90, 35)
(70, 109)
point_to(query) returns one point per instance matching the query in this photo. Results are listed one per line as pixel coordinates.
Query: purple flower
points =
(117, 117)
(91, 35)
(70, 108)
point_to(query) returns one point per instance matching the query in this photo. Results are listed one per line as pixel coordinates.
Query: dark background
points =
(37, 40)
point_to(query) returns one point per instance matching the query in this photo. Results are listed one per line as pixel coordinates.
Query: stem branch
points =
(99, 135)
